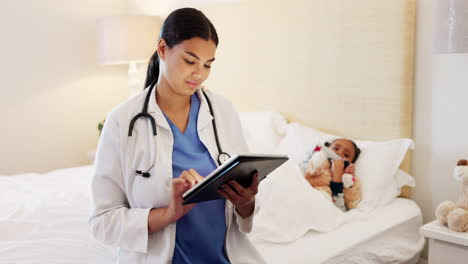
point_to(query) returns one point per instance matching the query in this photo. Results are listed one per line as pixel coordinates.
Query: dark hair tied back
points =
(182, 24)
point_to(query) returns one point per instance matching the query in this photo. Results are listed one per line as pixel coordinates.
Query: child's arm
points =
(320, 180)
(321, 177)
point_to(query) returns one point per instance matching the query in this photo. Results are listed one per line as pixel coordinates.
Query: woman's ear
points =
(162, 49)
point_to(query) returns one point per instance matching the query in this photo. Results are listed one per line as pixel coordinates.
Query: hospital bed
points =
(44, 220)
(44, 215)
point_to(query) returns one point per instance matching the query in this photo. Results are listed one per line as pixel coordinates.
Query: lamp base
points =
(135, 81)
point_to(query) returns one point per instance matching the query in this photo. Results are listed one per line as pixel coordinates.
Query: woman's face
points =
(186, 65)
(344, 148)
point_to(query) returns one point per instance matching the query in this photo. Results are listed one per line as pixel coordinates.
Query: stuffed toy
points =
(320, 159)
(317, 171)
(455, 215)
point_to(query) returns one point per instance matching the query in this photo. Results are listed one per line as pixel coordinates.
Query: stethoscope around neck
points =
(222, 156)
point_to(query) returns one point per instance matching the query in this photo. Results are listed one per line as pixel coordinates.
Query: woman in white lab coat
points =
(140, 177)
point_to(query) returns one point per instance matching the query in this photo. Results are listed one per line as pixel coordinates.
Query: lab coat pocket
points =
(145, 190)
(131, 257)
(151, 192)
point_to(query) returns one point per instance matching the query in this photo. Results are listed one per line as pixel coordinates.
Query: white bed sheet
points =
(389, 235)
(43, 219)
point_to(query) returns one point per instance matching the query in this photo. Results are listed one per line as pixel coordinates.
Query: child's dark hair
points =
(356, 149)
(182, 24)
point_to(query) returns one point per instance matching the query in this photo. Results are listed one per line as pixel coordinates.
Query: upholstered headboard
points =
(342, 66)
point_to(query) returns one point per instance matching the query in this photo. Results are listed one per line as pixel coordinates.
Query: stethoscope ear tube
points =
(146, 115)
(221, 153)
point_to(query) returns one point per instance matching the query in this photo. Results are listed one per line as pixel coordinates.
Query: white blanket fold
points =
(290, 207)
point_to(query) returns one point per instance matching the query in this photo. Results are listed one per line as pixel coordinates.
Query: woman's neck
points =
(168, 100)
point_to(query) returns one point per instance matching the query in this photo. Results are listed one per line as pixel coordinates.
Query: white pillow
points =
(404, 179)
(376, 166)
(263, 130)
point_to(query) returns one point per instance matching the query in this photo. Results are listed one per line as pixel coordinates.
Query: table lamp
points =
(128, 39)
(451, 26)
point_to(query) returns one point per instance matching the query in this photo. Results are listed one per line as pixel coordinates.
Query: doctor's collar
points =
(153, 107)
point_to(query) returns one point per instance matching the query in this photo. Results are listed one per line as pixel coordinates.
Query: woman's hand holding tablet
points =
(239, 168)
(242, 198)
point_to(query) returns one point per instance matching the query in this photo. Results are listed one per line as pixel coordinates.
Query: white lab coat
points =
(121, 201)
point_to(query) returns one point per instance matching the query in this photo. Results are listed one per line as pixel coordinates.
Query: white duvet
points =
(43, 219)
(290, 207)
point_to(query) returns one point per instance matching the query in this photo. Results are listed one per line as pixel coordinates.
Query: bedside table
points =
(445, 246)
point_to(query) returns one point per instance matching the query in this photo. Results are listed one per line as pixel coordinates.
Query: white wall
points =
(440, 129)
(164, 7)
(441, 91)
(53, 92)
(449, 126)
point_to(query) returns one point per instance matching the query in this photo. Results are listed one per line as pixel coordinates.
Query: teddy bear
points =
(317, 171)
(455, 215)
(319, 161)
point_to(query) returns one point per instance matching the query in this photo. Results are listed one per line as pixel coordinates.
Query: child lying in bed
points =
(328, 177)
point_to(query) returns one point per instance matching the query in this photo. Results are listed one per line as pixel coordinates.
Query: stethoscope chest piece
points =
(223, 157)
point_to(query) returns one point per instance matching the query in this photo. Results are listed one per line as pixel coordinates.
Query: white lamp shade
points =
(127, 38)
(451, 26)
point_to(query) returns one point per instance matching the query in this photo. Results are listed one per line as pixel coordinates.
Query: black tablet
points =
(240, 168)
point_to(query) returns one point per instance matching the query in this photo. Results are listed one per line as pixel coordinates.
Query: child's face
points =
(344, 148)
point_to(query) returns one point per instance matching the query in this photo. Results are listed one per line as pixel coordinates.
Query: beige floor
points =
(422, 261)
